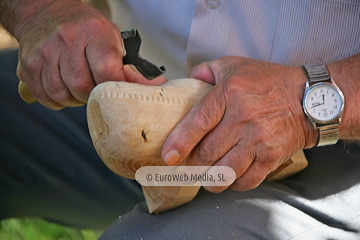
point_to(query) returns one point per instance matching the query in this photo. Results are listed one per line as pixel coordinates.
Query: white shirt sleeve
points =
(182, 34)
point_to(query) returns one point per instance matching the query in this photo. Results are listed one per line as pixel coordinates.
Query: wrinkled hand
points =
(68, 48)
(251, 121)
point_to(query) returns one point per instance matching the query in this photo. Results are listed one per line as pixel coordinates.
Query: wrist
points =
(32, 12)
(345, 73)
(17, 13)
(310, 134)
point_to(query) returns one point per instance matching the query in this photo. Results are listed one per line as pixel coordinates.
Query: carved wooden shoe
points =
(129, 124)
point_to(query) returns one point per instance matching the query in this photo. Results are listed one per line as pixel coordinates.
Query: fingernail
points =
(172, 157)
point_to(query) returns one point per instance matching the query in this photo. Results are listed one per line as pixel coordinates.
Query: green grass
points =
(38, 229)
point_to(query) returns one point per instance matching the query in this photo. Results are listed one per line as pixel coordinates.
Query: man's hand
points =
(251, 121)
(66, 49)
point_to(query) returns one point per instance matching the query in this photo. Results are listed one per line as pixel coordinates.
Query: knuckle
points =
(260, 170)
(270, 151)
(81, 85)
(61, 96)
(202, 120)
(96, 23)
(28, 64)
(274, 155)
(99, 27)
(32, 62)
(65, 34)
(104, 26)
(233, 86)
(108, 67)
(241, 162)
(216, 65)
(263, 168)
(45, 52)
(208, 155)
(101, 68)
(218, 68)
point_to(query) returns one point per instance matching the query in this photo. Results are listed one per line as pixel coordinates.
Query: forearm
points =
(15, 14)
(346, 74)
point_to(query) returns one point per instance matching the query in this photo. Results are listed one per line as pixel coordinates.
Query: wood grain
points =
(129, 124)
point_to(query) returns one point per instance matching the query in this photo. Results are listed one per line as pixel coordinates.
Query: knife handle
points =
(132, 42)
(25, 93)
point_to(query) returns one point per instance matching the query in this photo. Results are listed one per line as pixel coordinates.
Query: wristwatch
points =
(323, 103)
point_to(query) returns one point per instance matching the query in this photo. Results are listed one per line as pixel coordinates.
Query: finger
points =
(213, 72)
(34, 84)
(216, 143)
(201, 119)
(203, 72)
(239, 158)
(55, 87)
(252, 177)
(105, 61)
(132, 75)
(76, 75)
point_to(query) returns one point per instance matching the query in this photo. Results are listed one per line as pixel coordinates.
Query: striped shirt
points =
(182, 34)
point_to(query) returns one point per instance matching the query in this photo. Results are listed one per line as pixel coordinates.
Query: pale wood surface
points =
(6, 40)
(163, 198)
(129, 124)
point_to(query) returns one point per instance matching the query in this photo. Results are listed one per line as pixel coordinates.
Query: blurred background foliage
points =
(38, 229)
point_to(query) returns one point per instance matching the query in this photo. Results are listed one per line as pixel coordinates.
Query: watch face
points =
(323, 102)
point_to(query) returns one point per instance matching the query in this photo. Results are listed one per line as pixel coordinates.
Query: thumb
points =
(133, 76)
(203, 72)
(201, 119)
